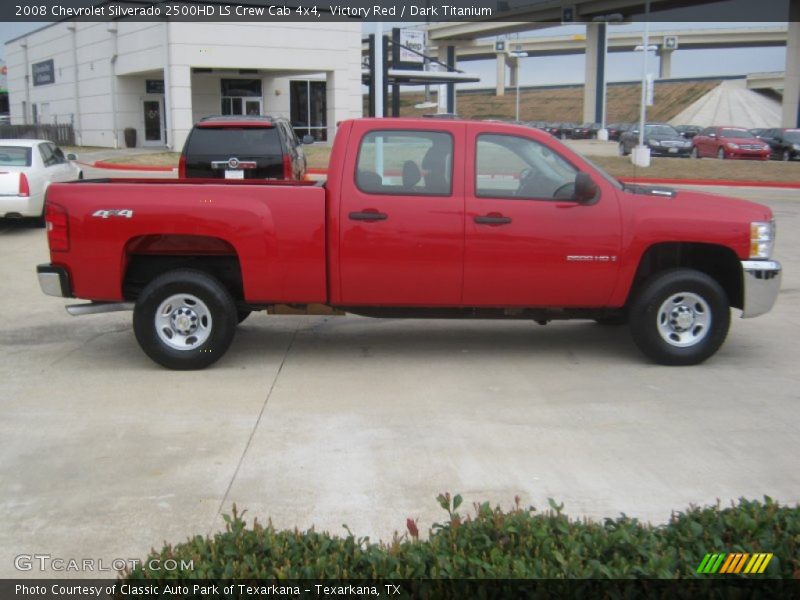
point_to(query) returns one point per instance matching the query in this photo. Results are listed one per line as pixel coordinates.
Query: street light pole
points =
(517, 56)
(641, 154)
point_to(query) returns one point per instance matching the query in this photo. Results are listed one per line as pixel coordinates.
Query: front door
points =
(527, 244)
(401, 220)
(153, 122)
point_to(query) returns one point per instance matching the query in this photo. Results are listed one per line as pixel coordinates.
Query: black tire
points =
(694, 296)
(242, 314)
(197, 295)
(622, 150)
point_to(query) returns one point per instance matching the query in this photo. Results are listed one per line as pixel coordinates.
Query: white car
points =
(27, 167)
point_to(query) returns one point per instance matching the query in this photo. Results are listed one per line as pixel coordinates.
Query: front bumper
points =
(761, 282)
(54, 281)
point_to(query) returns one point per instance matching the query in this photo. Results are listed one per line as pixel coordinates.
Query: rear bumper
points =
(20, 206)
(761, 283)
(54, 281)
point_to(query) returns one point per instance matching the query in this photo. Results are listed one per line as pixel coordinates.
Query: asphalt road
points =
(330, 420)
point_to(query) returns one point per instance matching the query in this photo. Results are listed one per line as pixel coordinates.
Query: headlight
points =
(762, 239)
(732, 145)
(653, 142)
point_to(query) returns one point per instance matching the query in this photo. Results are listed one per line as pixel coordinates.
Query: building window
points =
(309, 109)
(241, 96)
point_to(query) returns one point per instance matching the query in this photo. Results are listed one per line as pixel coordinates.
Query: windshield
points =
(660, 130)
(792, 136)
(605, 175)
(15, 156)
(735, 133)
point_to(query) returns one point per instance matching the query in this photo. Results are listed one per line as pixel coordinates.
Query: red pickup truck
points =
(418, 218)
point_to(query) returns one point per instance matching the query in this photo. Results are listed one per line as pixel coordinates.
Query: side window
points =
(57, 154)
(513, 167)
(405, 162)
(48, 158)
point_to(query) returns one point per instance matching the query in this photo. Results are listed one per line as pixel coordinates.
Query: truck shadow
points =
(348, 339)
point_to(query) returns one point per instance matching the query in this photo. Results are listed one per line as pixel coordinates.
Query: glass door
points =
(153, 122)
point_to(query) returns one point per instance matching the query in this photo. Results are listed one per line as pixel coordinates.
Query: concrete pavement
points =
(330, 420)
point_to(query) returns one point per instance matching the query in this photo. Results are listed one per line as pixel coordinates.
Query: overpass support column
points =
(594, 88)
(665, 65)
(791, 86)
(500, 90)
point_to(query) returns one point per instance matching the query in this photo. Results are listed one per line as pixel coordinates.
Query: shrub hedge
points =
(497, 544)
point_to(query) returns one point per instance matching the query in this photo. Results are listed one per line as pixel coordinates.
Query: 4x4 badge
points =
(113, 212)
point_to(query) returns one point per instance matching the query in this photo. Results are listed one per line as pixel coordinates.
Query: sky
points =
(622, 66)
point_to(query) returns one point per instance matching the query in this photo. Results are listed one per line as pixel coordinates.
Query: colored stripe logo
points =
(735, 563)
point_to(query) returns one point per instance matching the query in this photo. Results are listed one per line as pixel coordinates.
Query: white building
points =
(160, 78)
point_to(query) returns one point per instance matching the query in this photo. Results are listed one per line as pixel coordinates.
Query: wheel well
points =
(718, 262)
(150, 256)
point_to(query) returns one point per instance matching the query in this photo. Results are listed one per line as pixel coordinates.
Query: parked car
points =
(662, 139)
(784, 144)
(729, 142)
(559, 130)
(615, 130)
(243, 147)
(688, 131)
(27, 168)
(484, 231)
(584, 131)
(758, 132)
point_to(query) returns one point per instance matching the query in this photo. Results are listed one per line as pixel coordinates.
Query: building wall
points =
(100, 71)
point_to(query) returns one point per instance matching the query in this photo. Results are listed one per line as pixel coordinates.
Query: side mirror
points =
(308, 139)
(72, 156)
(586, 189)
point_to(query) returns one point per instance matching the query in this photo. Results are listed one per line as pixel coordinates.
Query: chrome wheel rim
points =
(684, 319)
(183, 322)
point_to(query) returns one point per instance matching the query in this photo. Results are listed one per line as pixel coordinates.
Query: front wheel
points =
(185, 319)
(680, 317)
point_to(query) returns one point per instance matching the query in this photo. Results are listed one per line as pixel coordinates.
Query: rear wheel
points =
(680, 317)
(185, 319)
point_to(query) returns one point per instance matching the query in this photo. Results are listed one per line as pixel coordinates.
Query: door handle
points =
(493, 219)
(368, 215)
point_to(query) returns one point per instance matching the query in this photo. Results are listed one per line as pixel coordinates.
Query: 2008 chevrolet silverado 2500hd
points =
(418, 218)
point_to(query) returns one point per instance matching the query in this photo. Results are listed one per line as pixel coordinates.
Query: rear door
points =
(402, 216)
(234, 152)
